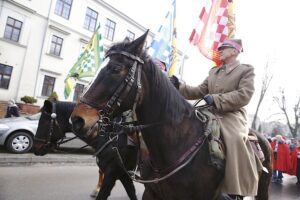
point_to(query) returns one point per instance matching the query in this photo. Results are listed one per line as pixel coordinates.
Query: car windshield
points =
(34, 117)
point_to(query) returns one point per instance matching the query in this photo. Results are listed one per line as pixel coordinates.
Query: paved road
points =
(65, 156)
(73, 177)
(48, 182)
(288, 190)
(53, 182)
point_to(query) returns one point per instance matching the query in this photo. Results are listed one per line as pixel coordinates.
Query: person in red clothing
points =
(281, 158)
(295, 162)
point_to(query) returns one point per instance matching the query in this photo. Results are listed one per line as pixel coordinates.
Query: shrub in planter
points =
(28, 99)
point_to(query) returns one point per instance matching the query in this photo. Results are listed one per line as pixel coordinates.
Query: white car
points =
(17, 133)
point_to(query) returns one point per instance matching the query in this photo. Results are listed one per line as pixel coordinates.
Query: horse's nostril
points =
(77, 123)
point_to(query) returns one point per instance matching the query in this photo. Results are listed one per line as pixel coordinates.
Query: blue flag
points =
(163, 46)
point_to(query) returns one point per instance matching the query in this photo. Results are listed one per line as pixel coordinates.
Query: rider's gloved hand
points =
(174, 80)
(209, 99)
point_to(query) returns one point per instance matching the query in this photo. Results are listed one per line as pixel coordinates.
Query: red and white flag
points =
(215, 24)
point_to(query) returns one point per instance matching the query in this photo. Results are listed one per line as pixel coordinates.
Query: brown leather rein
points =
(115, 101)
(47, 141)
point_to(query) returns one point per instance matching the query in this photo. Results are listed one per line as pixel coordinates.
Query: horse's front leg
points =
(128, 184)
(99, 184)
(108, 183)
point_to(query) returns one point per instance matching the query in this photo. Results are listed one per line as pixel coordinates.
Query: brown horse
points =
(178, 166)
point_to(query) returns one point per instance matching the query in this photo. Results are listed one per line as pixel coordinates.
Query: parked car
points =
(17, 133)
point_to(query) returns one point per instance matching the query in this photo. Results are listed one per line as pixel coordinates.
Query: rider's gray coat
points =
(232, 87)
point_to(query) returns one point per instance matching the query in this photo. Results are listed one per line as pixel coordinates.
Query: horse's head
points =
(115, 89)
(48, 131)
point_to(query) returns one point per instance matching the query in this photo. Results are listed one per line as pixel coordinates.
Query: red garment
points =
(293, 169)
(282, 163)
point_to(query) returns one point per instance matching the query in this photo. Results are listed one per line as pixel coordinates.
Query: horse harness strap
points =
(215, 145)
(116, 100)
(163, 174)
(129, 55)
(126, 85)
(54, 121)
(124, 130)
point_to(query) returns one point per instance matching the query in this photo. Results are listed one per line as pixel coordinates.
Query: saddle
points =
(255, 146)
(215, 143)
(217, 149)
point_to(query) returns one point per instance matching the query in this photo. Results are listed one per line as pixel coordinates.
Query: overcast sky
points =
(269, 29)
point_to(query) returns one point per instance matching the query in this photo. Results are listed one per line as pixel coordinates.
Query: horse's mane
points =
(172, 106)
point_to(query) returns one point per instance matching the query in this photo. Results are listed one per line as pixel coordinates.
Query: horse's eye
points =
(116, 68)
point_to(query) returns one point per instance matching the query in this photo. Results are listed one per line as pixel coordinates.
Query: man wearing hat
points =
(227, 89)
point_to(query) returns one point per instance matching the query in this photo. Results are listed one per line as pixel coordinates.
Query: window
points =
(78, 91)
(12, 29)
(48, 85)
(63, 8)
(109, 30)
(130, 35)
(5, 75)
(90, 19)
(56, 45)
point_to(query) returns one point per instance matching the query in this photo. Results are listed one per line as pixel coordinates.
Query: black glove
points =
(209, 99)
(174, 80)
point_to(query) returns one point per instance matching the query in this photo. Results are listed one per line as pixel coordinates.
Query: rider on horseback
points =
(229, 88)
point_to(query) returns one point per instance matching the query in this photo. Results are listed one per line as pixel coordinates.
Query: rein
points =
(124, 88)
(175, 167)
(105, 115)
(53, 122)
(184, 159)
(126, 127)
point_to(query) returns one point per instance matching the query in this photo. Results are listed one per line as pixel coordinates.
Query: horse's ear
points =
(47, 106)
(126, 40)
(137, 45)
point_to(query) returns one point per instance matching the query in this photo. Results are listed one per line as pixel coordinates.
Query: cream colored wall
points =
(12, 53)
(30, 57)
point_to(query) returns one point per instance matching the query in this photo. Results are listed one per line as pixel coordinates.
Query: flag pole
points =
(182, 60)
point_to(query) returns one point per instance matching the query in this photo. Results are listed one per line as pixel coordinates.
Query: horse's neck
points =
(175, 132)
(168, 143)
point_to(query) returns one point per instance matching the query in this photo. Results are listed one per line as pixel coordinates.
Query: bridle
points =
(105, 115)
(53, 122)
(124, 88)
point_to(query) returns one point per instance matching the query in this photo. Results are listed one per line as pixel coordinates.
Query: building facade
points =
(40, 40)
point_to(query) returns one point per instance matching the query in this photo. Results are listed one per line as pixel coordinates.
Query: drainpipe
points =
(41, 53)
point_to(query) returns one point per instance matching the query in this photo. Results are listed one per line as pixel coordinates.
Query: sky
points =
(270, 31)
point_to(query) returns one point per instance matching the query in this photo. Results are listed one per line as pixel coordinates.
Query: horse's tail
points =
(265, 178)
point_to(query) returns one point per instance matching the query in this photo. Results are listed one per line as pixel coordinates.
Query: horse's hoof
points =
(94, 193)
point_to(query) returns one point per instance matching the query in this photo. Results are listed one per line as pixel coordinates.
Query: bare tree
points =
(281, 101)
(265, 85)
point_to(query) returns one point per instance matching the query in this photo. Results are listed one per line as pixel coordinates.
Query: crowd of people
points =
(286, 158)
